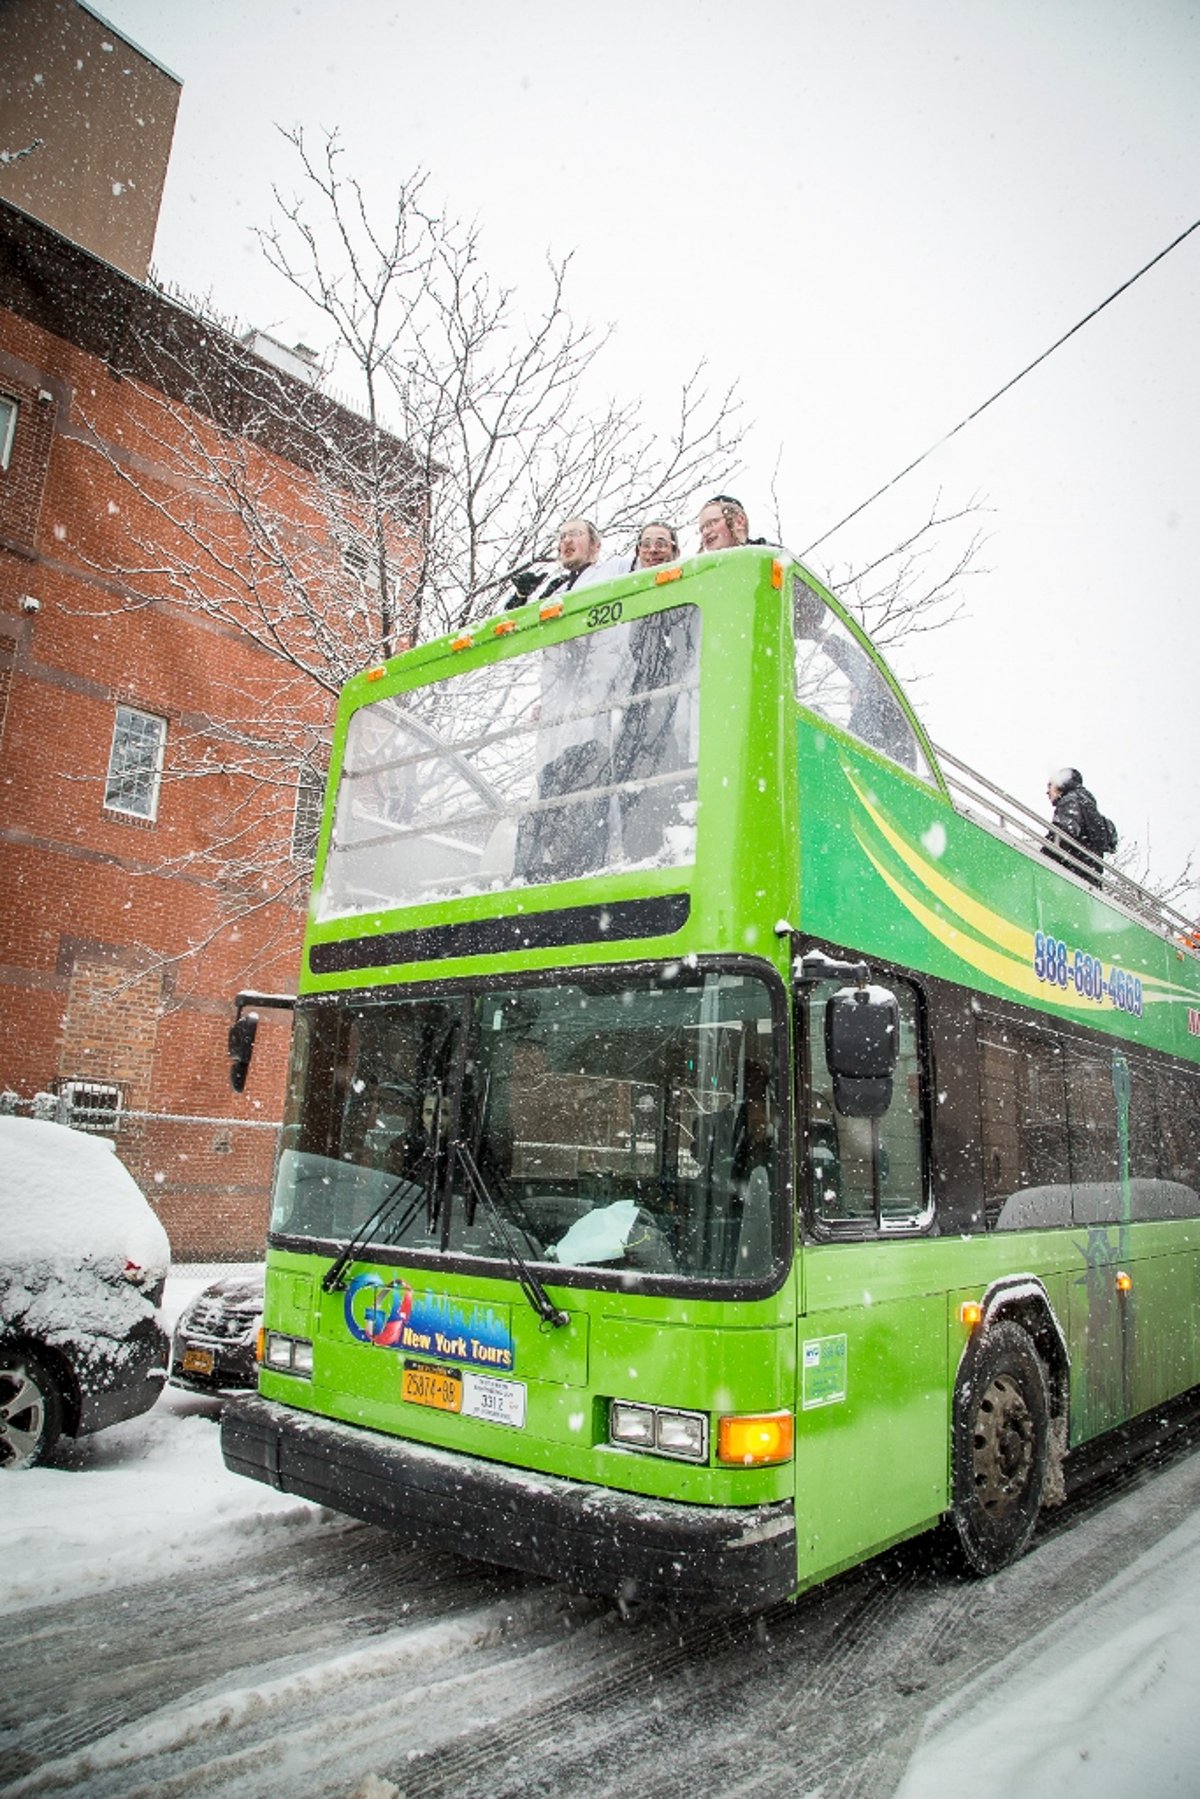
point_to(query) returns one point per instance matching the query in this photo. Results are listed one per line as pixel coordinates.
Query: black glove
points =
(525, 580)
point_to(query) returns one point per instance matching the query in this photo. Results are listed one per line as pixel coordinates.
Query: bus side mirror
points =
(862, 1042)
(242, 1033)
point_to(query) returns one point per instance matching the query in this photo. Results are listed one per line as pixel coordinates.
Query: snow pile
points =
(64, 1195)
(82, 1256)
(1099, 1705)
(137, 1501)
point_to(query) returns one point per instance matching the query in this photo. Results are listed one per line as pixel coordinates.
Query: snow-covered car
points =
(83, 1261)
(214, 1348)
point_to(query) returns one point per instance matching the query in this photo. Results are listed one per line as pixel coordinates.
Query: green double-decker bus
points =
(718, 1146)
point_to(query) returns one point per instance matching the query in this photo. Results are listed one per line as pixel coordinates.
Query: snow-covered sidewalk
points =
(138, 1499)
(1100, 1705)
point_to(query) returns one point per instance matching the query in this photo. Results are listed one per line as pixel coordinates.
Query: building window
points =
(93, 1106)
(306, 822)
(8, 428)
(361, 562)
(135, 764)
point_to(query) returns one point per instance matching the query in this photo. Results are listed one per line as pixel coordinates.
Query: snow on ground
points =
(137, 1499)
(1100, 1705)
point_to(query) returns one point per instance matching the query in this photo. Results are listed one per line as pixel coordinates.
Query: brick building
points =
(159, 740)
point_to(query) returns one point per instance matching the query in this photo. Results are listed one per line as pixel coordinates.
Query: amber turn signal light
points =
(970, 1313)
(754, 1440)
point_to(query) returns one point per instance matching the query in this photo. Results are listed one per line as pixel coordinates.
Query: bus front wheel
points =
(1002, 1443)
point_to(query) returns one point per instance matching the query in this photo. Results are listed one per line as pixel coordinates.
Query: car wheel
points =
(30, 1409)
(1002, 1449)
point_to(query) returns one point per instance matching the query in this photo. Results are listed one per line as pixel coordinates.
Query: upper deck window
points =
(837, 679)
(571, 760)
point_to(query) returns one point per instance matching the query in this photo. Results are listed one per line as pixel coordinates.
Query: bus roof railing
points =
(979, 799)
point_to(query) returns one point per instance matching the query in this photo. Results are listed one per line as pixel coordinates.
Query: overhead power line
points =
(962, 423)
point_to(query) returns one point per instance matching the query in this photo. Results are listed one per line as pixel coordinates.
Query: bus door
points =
(871, 1405)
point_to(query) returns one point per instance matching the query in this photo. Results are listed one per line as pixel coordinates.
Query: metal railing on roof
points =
(979, 799)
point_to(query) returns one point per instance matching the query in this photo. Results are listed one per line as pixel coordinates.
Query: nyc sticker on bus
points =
(824, 1372)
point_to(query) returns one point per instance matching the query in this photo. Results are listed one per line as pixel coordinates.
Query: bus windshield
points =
(619, 1122)
(568, 760)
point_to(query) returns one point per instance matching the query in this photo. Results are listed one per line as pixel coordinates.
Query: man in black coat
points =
(1076, 837)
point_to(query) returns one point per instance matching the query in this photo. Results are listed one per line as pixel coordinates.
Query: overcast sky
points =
(874, 215)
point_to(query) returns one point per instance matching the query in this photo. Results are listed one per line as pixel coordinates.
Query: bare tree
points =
(1180, 891)
(328, 534)
(7, 157)
(492, 400)
(914, 587)
(325, 535)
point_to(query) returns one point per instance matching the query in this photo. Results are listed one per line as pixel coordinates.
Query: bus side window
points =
(1026, 1165)
(867, 1174)
(837, 679)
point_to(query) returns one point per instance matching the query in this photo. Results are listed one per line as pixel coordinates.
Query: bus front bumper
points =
(594, 1538)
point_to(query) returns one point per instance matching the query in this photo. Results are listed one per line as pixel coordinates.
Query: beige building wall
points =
(105, 114)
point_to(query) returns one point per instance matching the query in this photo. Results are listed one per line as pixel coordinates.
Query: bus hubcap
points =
(1003, 1445)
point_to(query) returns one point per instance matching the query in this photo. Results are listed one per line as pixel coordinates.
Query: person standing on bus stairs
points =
(578, 549)
(1077, 837)
(724, 525)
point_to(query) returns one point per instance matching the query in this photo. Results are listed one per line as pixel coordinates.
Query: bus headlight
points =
(659, 1430)
(288, 1355)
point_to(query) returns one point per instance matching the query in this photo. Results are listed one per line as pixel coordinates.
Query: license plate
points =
(197, 1361)
(499, 1401)
(423, 1384)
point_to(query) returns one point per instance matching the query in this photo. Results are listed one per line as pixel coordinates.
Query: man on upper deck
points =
(724, 525)
(578, 548)
(1077, 837)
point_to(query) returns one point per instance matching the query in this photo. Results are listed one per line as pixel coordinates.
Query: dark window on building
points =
(306, 821)
(8, 428)
(94, 1106)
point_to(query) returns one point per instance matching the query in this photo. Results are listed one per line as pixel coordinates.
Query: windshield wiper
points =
(433, 1193)
(528, 1281)
(332, 1279)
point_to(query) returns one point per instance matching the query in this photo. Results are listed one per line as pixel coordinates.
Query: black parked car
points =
(83, 1261)
(214, 1346)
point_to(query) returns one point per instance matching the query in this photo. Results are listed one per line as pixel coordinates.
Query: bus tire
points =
(1002, 1450)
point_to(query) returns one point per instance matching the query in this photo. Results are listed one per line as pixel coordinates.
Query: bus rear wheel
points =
(1001, 1451)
